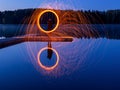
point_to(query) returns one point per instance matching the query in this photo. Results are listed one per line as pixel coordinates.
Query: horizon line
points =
(57, 9)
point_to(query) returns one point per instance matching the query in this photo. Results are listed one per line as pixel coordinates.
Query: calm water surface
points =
(84, 64)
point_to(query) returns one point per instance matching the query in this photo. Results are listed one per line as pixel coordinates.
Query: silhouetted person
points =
(49, 24)
(50, 52)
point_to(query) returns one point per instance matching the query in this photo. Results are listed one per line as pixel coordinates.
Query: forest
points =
(93, 16)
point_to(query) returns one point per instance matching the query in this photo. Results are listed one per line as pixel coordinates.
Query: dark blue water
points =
(48, 58)
(86, 64)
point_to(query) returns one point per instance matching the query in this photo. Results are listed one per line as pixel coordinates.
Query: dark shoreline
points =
(90, 16)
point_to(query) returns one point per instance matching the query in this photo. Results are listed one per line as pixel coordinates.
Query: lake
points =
(85, 63)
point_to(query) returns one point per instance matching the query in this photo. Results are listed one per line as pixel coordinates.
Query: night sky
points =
(61, 4)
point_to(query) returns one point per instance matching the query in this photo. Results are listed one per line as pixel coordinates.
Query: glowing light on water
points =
(43, 66)
(70, 55)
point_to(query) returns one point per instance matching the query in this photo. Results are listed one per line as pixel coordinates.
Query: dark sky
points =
(61, 4)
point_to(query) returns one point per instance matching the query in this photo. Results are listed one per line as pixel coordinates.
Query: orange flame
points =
(39, 16)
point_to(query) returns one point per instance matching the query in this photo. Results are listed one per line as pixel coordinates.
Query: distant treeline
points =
(94, 17)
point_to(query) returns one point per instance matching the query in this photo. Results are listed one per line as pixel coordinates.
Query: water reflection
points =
(50, 51)
(48, 58)
(66, 57)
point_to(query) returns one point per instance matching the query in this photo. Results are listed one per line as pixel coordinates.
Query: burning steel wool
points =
(58, 29)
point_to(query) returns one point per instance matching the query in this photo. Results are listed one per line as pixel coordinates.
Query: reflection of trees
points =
(49, 51)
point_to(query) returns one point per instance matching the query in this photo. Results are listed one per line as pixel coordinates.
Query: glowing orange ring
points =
(39, 16)
(41, 65)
